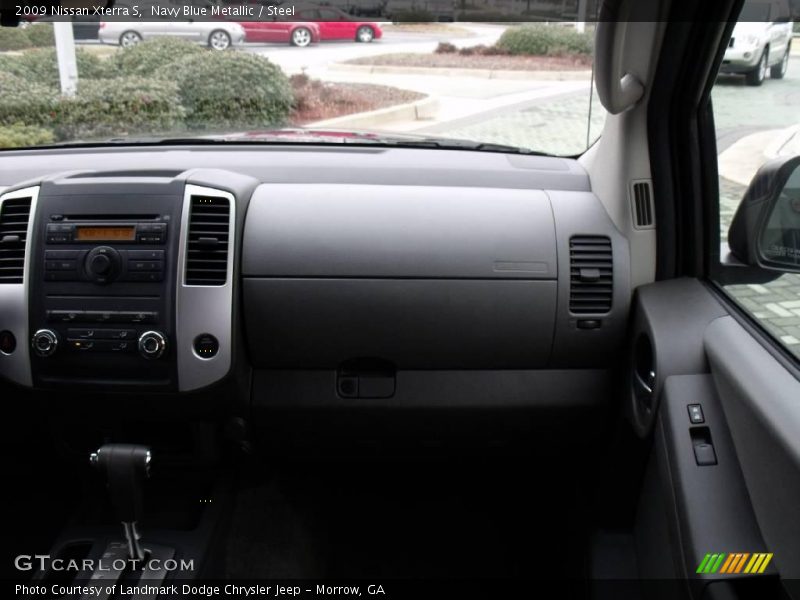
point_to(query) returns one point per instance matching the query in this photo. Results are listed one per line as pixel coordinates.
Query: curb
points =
(425, 108)
(740, 162)
(787, 142)
(462, 72)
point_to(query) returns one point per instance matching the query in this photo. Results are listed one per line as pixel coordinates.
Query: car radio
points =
(108, 251)
(103, 288)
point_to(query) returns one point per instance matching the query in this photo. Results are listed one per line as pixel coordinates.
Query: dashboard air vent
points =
(591, 283)
(643, 205)
(207, 242)
(14, 216)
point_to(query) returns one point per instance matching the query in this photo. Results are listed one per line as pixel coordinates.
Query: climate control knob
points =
(44, 342)
(152, 344)
(103, 264)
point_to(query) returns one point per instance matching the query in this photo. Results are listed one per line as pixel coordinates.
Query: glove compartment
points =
(424, 277)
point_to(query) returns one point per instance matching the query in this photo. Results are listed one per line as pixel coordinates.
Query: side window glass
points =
(757, 117)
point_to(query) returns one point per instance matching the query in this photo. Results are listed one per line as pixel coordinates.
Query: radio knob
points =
(44, 342)
(152, 344)
(103, 264)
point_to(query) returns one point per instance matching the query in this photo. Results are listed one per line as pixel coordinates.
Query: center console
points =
(103, 273)
(119, 281)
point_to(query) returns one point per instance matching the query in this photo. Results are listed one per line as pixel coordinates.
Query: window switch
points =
(696, 414)
(704, 455)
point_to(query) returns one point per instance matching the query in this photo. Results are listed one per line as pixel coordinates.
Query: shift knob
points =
(125, 467)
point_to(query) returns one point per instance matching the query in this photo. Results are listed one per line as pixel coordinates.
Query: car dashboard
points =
(313, 278)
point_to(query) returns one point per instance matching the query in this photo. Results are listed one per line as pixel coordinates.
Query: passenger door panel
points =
(746, 502)
(761, 400)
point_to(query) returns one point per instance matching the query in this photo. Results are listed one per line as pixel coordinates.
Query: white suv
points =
(761, 41)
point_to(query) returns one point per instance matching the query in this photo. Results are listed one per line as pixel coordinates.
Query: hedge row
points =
(152, 56)
(41, 66)
(119, 106)
(545, 40)
(24, 102)
(155, 87)
(21, 38)
(20, 136)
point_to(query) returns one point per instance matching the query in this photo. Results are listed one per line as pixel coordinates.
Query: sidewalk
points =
(457, 97)
(741, 161)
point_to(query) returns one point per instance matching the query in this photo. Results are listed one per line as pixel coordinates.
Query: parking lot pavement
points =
(556, 122)
(464, 102)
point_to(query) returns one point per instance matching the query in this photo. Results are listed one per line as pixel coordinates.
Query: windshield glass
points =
(230, 72)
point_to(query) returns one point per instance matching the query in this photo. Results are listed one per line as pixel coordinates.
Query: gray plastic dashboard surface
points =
(470, 246)
(398, 231)
(307, 163)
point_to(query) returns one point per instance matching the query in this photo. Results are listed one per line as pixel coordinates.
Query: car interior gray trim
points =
(16, 366)
(761, 400)
(316, 164)
(313, 230)
(439, 389)
(202, 309)
(672, 315)
(711, 503)
(413, 323)
(580, 214)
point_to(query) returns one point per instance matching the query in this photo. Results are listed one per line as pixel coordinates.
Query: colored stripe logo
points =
(735, 562)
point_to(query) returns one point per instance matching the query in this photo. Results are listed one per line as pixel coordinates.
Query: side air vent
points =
(642, 197)
(14, 216)
(207, 241)
(591, 282)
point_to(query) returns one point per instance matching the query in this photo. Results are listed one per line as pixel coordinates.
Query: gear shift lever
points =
(125, 467)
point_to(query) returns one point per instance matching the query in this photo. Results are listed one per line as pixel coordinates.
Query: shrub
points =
(237, 89)
(299, 80)
(150, 56)
(492, 51)
(445, 48)
(41, 35)
(23, 102)
(20, 136)
(13, 38)
(119, 106)
(40, 65)
(545, 40)
(413, 15)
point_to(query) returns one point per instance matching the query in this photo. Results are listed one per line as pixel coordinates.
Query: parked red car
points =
(297, 33)
(335, 24)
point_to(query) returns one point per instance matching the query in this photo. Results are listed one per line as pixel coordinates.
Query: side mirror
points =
(765, 231)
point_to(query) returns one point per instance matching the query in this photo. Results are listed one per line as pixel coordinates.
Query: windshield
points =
(232, 72)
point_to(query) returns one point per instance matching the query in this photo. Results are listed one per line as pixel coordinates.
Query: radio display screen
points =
(123, 233)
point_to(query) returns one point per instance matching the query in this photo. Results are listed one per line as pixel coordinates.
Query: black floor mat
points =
(440, 519)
